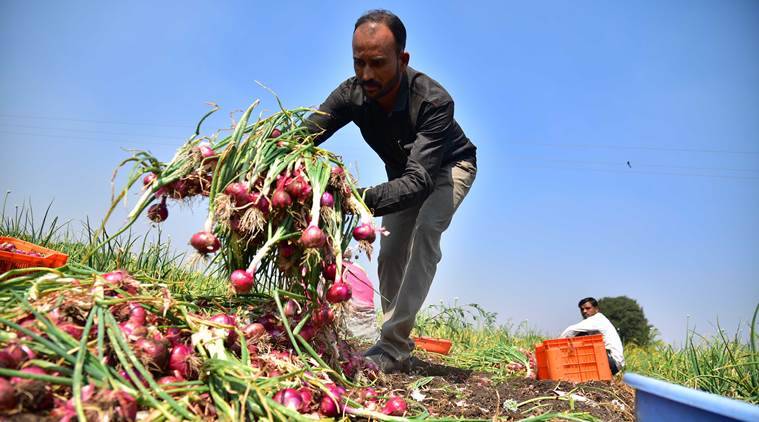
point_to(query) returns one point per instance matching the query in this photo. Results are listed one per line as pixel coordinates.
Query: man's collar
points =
(401, 100)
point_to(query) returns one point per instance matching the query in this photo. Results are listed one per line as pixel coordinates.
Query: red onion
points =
(179, 360)
(205, 242)
(158, 213)
(291, 308)
(254, 330)
(224, 319)
(367, 394)
(327, 200)
(306, 193)
(133, 330)
(7, 361)
(127, 406)
(328, 407)
(161, 192)
(8, 399)
(313, 237)
(295, 186)
(395, 406)
(335, 389)
(331, 402)
(281, 199)
(261, 202)
(13, 356)
(330, 271)
(173, 335)
(154, 354)
(30, 354)
(307, 397)
(337, 171)
(205, 151)
(137, 313)
(286, 250)
(242, 281)
(307, 332)
(275, 133)
(29, 370)
(179, 189)
(339, 292)
(72, 329)
(365, 231)
(149, 178)
(323, 316)
(290, 398)
(239, 193)
(115, 278)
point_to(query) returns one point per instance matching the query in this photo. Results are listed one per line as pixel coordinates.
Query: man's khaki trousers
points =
(409, 255)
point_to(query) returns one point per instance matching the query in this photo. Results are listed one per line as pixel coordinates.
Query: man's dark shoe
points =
(384, 362)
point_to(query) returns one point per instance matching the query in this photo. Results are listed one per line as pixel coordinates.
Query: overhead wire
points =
(633, 147)
(70, 119)
(628, 171)
(636, 164)
(66, 129)
(135, 139)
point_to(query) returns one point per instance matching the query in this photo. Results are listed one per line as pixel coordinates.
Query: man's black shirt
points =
(415, 139)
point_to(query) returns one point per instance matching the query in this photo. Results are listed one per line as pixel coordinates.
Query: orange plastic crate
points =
(436, 345)
(574, 359)
(542, 363)
(11, 260)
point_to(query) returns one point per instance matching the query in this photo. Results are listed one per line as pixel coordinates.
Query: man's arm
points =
(422, 165)
(335, 113)
(584, 326)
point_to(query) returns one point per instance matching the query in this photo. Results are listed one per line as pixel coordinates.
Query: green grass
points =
(720, 364)
(151, 255)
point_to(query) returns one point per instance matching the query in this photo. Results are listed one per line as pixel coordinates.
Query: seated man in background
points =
(595, 322)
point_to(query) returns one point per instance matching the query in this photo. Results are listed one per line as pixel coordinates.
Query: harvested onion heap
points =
(83, 345)
(281, 211)
(281, 215)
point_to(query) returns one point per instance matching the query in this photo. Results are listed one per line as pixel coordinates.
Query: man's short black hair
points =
(388, 18)
(592, 301)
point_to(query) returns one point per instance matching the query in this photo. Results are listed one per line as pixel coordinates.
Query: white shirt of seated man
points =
(595, 322)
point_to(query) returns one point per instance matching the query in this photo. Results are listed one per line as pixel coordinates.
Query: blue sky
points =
(557, 96)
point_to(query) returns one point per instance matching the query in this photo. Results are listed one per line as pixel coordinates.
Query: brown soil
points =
(455, 392)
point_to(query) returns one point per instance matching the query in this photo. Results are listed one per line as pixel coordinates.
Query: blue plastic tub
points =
(662, 401)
